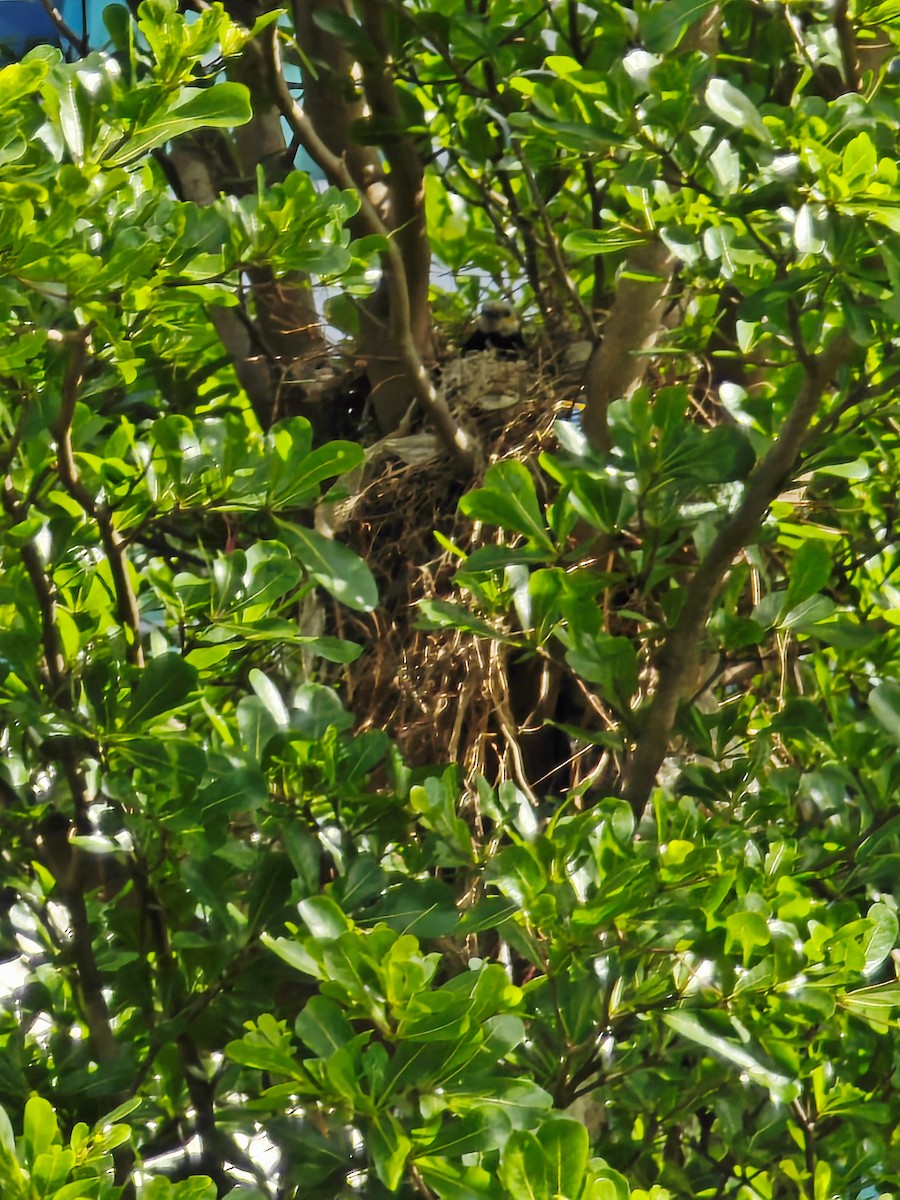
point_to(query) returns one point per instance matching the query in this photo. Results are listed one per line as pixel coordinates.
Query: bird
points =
(498, 329)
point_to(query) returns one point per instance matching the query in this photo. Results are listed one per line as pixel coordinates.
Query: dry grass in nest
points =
(443, 695)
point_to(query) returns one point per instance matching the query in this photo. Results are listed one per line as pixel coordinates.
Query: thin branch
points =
(847, 43)
(554, 249)
(90, 980)
(405, 178)
(526, 233)
(487, 201)
(574, 34)
(430, 36)
(113, 546)
(678, 660)
(44, 594)
(71, 889)
(79, 44)
(456, 439)
(594, 192)
(807, 1125)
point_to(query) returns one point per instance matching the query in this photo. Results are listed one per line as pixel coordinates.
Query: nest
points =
(442, 696)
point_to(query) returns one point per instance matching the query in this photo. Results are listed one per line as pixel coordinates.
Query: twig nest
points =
(414, 449)
(575, 357)
(483, 383)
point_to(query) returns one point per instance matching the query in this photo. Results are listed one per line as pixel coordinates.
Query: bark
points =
(406, 181)
(193, 168)
(406, 222)
(271, 351)
(618, 366)
(333, 101)
(410, 367)
(285, 308)
(678, 661)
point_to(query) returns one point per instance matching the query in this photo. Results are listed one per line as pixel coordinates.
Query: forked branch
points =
(678, 660)
(457, 441)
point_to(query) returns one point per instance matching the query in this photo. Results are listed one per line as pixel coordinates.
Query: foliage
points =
(252, 949)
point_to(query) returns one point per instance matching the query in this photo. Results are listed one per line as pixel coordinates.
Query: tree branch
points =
(406, 178)
(456, 439)
(679, 657)
(619, 364)
(554, 249)
(113, 547)
(79, 44)
(71, 882)
(847, 43)
(54, 663)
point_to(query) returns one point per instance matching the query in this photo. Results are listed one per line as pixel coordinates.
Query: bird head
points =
(499, 316)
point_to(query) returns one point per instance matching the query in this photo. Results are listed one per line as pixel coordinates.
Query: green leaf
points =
(748, 930)
(294, 955)
(808, 613)
(874, 1005)
(257, 728)
(610, 662)
(390, 1148)
(7, 1136)
(725, 101)
(324, 918)
(436, 801)
(727, 454)
(238, 791)
(859, 158)
(316, 709)
(884, 701)
(581, 137)
(441, 614)
(810, 569)
(223, 105)
(689, 1026)
(262, 1057)
(163, 685)
(301, 483)
(478, 1131)
(802, 721)
(20, 80)
(125, 1109)
(664, 25)
(337, 568)
(585, 243)
(40, 1130)
(524, 1168)
(269, 695)
(608, 1185)
(883, 937)
(323, 1027)
(508, 499)
(451, 1181)
(566, 1145)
